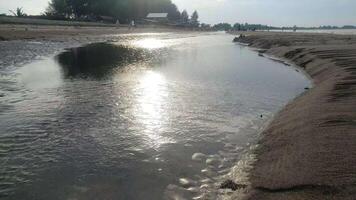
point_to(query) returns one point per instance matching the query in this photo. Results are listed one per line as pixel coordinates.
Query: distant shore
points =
(309, 150)
(50, 32)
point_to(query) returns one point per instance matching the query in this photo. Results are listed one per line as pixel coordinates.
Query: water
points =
(123, 119)
(329, 31)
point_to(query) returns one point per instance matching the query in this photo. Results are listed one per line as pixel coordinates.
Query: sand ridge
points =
(309, 150)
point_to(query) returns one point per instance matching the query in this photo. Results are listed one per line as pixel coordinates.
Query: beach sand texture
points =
(45, 32)
(309, 150)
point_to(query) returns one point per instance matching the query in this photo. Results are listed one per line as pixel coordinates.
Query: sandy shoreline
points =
(45, 32)
(308, 151)
(35, 41)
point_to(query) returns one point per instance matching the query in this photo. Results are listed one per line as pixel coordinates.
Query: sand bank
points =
(50, 32)
(309, 150)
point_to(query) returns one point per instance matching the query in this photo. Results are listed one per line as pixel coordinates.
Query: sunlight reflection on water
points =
(151, 43)
(152, 102)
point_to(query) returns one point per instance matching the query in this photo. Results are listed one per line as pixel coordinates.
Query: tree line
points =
(255, 27)
(122, 10)
(242, 27)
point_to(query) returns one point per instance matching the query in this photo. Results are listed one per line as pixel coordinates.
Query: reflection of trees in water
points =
(99, 60)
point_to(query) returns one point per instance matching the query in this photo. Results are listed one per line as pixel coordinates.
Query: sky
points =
(270, 12)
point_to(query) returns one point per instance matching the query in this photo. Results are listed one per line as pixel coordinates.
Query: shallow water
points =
(141, 117)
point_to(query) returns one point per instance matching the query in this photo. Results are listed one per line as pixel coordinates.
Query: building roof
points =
(157, 15)
(106, 17)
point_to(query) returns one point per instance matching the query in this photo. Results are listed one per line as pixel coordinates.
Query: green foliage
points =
(348, 27)
(125, 10)
(205, 26)
(222, 27)
(195, 19)
(253, 27)
(18, 13)
(173, 12)
(185, 17)
(59, 9)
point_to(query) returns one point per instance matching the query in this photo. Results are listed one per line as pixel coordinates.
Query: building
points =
(106, 19)
(157, 17)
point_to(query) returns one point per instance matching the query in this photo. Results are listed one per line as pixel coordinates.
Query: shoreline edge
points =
(309, 149)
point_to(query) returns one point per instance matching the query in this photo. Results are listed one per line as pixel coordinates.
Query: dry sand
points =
(309, 150)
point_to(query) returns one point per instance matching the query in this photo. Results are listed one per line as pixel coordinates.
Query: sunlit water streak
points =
(145, 116)
(151, 102)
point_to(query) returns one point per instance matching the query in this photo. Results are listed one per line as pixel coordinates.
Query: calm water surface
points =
(122, 119)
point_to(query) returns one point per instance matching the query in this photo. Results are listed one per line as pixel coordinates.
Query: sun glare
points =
(150, 43)
(152, 98)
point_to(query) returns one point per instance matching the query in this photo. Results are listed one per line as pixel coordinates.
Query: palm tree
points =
(18, 13)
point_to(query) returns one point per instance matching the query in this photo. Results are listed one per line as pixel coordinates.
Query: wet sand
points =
(43, 40)
(45, 32)
(309, 150)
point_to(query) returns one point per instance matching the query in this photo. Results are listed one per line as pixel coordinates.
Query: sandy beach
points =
(308, 151)
(46, 32)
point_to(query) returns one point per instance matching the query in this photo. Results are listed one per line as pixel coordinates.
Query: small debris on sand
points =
(185, 182)
(213, 162)
(237, 39)
(198, 157)
(229, 184)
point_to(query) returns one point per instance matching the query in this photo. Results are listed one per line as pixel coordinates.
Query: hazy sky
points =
(272, 12)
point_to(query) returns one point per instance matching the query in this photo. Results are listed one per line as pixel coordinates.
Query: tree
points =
(58, 9)
(194, 19)
(223, 27)
(205, 26)
(185, 17)
(18, 13)
(173, 12)
(124, 10)
(252, 27)
(237, 27)
(79, 8)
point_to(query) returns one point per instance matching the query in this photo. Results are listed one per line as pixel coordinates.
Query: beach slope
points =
(309, 150)
(56, 32)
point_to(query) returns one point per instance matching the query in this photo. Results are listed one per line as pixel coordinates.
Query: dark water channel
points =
(122, 120)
